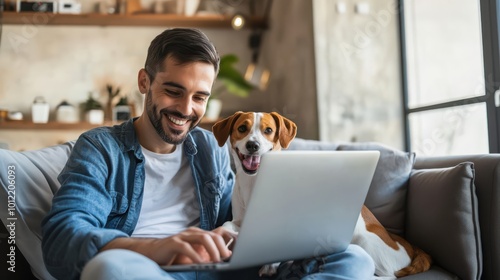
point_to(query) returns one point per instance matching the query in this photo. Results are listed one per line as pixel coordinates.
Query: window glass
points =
(450, 131)
(444, 51)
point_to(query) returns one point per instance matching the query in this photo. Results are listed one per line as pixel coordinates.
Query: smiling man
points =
(156, 189)
(175, 101)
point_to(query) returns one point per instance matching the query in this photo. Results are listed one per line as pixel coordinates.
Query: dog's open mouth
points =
(250, 163)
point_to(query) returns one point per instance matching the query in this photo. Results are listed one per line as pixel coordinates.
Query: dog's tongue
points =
(251, 162)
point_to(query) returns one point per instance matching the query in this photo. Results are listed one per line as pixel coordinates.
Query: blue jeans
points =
(353, 263)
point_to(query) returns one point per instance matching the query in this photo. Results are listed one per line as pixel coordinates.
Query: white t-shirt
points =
(169, 203)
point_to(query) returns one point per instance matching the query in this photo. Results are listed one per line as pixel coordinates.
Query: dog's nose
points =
(252, 146)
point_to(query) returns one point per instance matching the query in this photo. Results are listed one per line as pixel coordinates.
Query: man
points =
(155, 190)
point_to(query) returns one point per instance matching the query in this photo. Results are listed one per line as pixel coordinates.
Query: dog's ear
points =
(222, 129)
(286, 129)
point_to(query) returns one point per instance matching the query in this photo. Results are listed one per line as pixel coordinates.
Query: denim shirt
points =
(102, 188)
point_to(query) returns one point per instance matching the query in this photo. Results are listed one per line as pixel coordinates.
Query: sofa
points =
(449, 206)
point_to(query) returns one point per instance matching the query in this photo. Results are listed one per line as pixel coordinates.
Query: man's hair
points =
(185, 45)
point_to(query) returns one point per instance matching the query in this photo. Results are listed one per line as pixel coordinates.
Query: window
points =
(449, 106)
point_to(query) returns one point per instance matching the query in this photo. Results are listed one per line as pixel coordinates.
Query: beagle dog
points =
(250, 135)
(393, 256)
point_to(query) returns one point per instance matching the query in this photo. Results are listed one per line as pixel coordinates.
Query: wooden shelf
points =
(27, 125)
(94, 19)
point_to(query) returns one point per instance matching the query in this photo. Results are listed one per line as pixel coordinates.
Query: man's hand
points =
(193, 245)
(197, 246)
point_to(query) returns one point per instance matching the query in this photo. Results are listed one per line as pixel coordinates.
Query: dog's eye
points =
(268, 130)
(242, 128)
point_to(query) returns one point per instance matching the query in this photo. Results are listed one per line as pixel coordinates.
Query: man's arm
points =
(193, 245)
(73, 230)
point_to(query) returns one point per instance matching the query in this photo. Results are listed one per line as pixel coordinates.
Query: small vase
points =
(66, 114)
(40, 110)
(95, 116)
(121, 113)
(191, 7)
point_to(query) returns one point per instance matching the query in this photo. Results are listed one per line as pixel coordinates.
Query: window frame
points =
(489, 10)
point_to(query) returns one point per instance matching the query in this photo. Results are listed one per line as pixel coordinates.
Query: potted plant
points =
(94, 113)
(122, 112)
(112, 93)
(229, 80)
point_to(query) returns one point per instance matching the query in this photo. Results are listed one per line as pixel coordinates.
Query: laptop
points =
(304, 204)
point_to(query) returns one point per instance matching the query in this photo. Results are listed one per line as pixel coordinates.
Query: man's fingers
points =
(228, 238)
(226, 234)
(210, 242)
(201, 246)
(185, 252)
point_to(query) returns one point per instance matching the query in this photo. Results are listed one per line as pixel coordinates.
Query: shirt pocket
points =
(120, 203)
(118, 210)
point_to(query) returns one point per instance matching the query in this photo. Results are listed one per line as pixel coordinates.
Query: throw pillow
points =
(387, 195)
(443, 219)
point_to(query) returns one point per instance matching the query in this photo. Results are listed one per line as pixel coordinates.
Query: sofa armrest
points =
(33, 183)
(487, 174)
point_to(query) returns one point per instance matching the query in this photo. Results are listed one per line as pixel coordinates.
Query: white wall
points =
(358, 71)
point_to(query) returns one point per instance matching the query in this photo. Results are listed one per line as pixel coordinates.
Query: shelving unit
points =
(94, 19)
(125, 20)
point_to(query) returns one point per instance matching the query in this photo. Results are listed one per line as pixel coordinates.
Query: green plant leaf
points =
(231, 78)
(92, 104)
(228, 59)
(235, 88)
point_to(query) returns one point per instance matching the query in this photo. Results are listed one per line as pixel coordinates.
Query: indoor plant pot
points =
(94, 113)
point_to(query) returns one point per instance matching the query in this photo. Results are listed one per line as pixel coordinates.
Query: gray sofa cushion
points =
(487, 184)
(306, 144)
(443, 218)
(35, 183)
(387, 195)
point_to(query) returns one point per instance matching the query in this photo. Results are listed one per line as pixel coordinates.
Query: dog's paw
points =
(269, 269)
(231, 226)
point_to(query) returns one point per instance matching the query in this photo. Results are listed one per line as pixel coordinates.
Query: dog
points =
(393, 256)
(250, 135)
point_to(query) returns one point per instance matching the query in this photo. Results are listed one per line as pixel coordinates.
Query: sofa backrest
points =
(31, 178)
(387, 195)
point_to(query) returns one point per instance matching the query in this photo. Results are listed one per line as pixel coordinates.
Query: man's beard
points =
(174, 137)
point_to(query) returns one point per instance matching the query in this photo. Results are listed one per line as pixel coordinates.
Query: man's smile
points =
(177, 121)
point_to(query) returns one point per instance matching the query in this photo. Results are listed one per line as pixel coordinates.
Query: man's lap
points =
(124, 264)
